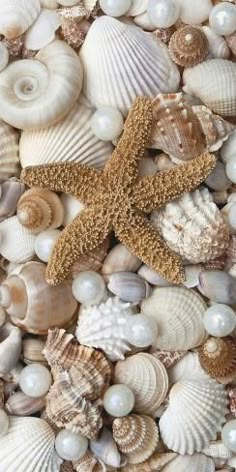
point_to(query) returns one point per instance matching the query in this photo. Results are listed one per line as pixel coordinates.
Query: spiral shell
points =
(39, 92)
(17, 16)
(9, 159)
(188, 46)
(218, 358)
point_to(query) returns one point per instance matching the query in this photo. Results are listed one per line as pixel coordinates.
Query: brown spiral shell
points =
(188, 46)
(218, 358)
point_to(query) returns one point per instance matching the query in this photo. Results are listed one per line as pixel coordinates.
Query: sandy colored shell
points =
(215, 129)
(195, 463)
(231, 41)
(193, 226)
(81, 375)
(92, 260)
(178, 312)
(32, 350)
(218, 358)
(17, 16)
(122, 62)
(40, 209)
(29, 445)
(164, 34)
(188, 46)
(88, 463)
(147, 378)
(71, 140)
(195, 413)
(156, 462)
(120, 259)
(137, 437)
(11, 191)
(11, 231)
(217, 449)
(9, 158)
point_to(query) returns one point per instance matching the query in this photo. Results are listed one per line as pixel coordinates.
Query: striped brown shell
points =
(188, 46)
(218, 358)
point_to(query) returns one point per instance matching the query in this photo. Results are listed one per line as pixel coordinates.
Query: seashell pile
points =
(117, 236)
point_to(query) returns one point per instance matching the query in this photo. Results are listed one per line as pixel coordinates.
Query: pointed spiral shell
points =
(188, 46)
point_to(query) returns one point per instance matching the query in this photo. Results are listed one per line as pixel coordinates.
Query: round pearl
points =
(219, 320)
(115, 7)
(118, 400)
(228, 435)
(222, 18)
(45, 242)
(71, 446)
(4, 423)
(231, 169)
(141, 330)
(107, 123)
(88, 288)
(163, 13)
(35, 380)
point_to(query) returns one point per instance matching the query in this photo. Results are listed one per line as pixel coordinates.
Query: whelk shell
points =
(120, 259)
(42, 32)
(11, 231)
(218, 47)
(188, 46)
(129, 287)
(20, 404)
(17, 16)
(4, 56)
(218, 358)
(9, 158)
(11, 191)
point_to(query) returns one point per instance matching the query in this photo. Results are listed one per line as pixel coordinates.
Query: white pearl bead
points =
(71, 446)
(163, 13)
(231, 169)
(45, 242)
(222, 18)
(4, 423)
(35, 380)
(228, 435)
(115, 7)
(88, 288)
(219, 320)
(107, 123)
(141, 330)
(118, 400)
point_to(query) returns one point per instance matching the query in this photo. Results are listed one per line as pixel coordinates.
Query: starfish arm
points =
(84, 234)
(139, 236)
(75, 179)
(154, 191)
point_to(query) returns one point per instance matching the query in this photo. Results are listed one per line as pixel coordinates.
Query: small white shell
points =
(191, 15)
(20, 404)
(71, 206)
(120, 259)
(10, 348)
(152, 277)
(42, 32)
(17, 16)
(11, 231)
(217, 449)
(218, 47)
(195, 463)
(4, 56)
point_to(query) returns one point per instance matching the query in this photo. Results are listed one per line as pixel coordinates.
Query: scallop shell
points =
(40, 209)
(195, 414)
(4, 56)
(9, 159)
(70, 140)
(179, 313)
(91, 260)
(147, 378)
(193, 226)
(218, 358)
(11, 231)
(129, 287)
(29, 446)
(81, 375)
(20, 404)
(113, 53)
(32, 350)
(120, 259)
(11, 191)
(43, 31)
(137, 437)
(188, 46)
(39, 92)
(217, 449)
(195, 463)
(214, 83)
(17, 16)
(88, 463)
(156, 462)
(218, 47)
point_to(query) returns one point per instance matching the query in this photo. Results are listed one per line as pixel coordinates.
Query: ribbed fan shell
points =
(9, 159)
(17, 242)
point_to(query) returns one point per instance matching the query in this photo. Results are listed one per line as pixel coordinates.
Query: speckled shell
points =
(218, 358)
(214, 82)
(17, 16)
(122, 62)
(179, 312)
(11, 191)
(81, 375)
(11, 231)
(103, 327)
(196, 411)
(9, 158)
(193, 226)
(88, 463)
(137, 437)
(188, 46)
(195, 463)
(147, 378)
(29, 446)
(218, 47)
(70, 140)
(168, 358)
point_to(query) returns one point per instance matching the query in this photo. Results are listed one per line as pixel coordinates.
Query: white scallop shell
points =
(70, 140)
(122, 62)
(195, 414)
(178, 312)
(43, 31)
(193, 226)
(195, 463)
(29, 446)
(218, 48)
(214, 82)
(187, 368)
(17, 16)
(16, 241)
(9, 156)
(218, 449)
(4, 56)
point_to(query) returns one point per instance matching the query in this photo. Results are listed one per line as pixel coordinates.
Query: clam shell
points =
(11, 231)
(4, 56)
(43, 31)
(11, 191)
(29, 445)
(17, 16)
(70, 140)
(120, 259)
(9, 158)
(193, 226)
(129, 287)
(112, 53)
(179, 312)
(214, 83)
(147, 378)
(188, 46)
(20, 404)
(195, 463)
(195, 414)
(218, 47)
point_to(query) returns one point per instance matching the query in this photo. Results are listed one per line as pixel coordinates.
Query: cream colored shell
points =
(9, 151)
(195, 463)
(43, 31)
(187, 368)
(17, 16)
(16, 241)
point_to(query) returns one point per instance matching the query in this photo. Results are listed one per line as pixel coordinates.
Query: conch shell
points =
(17, 16)
(9, 157)
(39, 92)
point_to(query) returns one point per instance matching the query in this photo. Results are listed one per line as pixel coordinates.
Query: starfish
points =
(117, 199)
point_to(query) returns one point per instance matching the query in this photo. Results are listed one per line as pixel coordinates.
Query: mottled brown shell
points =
(188, 46)
(164, 34)
(88, 463)
(169, 358)
(218, 358)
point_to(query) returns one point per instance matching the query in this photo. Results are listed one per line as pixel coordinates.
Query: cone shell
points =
(112, 53)
(17, 16)
(179, 313)
(188, 46)
(9, 158)
(20, 404)
(88, 463)
(193, 226)
(147, 378)
(137, 437)
(81, 375)
(11, 231)
(40, 209)
(195, 414)
(92, 260)
(214, 83)
(29, 445)
(195, 463)
(11, 191)
(218, 358)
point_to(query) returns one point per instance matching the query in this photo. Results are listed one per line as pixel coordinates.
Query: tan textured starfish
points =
(116, 198)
